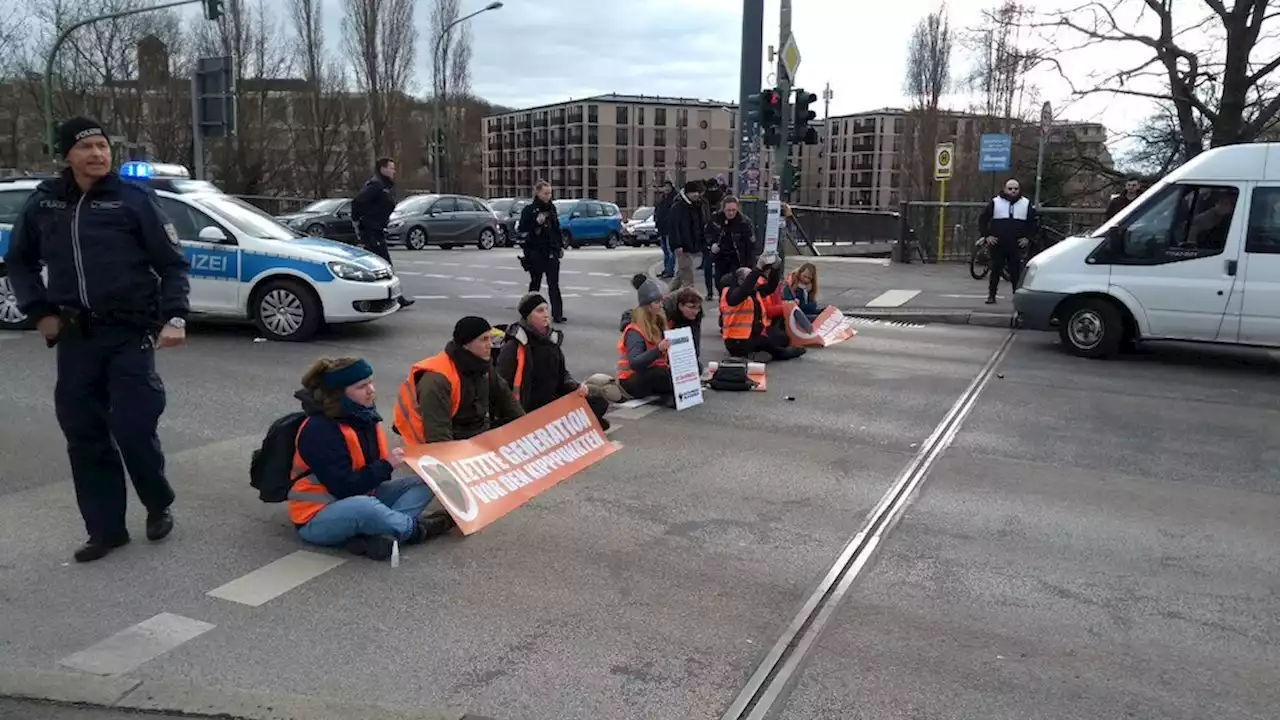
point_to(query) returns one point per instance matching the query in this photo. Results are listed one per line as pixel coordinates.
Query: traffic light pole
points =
(53, 57)
(780, 155)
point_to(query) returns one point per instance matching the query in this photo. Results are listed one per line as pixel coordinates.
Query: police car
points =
(244, 264)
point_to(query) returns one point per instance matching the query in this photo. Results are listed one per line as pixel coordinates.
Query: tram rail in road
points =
(767, 688)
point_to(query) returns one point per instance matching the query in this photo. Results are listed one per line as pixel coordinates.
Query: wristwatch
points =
(177, 323)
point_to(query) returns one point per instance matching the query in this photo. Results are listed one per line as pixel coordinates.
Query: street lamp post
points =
(437, 130)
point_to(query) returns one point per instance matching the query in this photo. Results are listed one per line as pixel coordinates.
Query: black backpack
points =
(733, 377)
(271, 470)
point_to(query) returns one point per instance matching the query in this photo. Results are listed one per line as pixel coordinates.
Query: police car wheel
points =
(487, 239)
(10, 318)
(287, 310)
(416, 239)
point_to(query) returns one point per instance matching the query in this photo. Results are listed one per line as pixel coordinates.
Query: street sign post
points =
(1046, 120)
(791, 57)
(995, 153)
(944, 160)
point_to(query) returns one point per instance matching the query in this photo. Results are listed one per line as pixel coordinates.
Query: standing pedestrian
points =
(371, 211)
(117, 290)
(1007, 223)
(686, 233)
(732, 239)
(543, 245)
(1132, 189)
(662, 223)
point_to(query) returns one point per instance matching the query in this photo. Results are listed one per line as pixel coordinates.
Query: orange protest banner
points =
(829, 328)
(481, 479)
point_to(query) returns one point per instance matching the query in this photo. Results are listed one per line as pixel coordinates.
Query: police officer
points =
(117, 290)
(371, 211)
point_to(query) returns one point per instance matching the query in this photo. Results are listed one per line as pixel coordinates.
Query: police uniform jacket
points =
(110, 250)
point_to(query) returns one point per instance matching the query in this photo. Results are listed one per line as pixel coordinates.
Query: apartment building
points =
(617, 148)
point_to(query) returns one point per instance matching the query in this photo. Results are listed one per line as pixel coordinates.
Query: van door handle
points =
(1231, 267)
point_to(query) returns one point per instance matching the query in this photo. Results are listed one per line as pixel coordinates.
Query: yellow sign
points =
(791, 57)
(944, 158)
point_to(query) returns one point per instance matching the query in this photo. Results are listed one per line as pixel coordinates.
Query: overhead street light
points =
(437, 129)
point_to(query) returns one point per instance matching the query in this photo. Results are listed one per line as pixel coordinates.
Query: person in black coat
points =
(686, 232)
(733, 240)
(532, 361)
(539, 228)
(1132, 189)
(371, 211)
(1007, 225)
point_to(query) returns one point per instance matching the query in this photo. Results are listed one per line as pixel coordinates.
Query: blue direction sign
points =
(995, 153)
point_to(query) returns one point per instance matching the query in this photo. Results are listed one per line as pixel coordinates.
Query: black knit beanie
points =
(469, 328)
(76, 129)
(529, 303)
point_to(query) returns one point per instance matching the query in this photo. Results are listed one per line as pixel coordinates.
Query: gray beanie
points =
(647, 289)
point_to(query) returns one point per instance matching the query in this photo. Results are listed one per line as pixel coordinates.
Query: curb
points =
(939, 316)
(122, 693)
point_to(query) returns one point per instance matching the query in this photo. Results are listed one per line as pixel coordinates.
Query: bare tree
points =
(928, 78)
(381, 38)
(324, 115)
(1215, 67)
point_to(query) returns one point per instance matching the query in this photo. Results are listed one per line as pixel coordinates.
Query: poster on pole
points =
(682, 356)
(772, 227)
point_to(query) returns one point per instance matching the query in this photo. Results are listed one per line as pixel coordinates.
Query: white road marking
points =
(600, 274)
(570, 272)
(474, 297)
(449, 264)
(507, 267)
(438, 276)
(971, 297)
(276, 578)
(576, 287)
(893, 298)
(430, 297)
(504, 282)
(464, 278)
(406, 272)
(132, 647)
(570, 295)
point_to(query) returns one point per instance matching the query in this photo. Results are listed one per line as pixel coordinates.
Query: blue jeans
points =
(391, 510)
(668, 256)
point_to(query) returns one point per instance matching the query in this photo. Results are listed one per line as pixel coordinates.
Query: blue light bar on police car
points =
(136, 170)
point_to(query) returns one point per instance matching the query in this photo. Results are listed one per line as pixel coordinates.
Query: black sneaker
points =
(605, 424)
(378, 547)
(159, 525)
(561, 320)
(98, 549)
(991, 300)
(430, 526)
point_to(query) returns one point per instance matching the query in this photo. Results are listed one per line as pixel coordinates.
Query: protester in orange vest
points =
(344, 494)
(744, 321)
(454, 395)
(643, 369)
(532, 361)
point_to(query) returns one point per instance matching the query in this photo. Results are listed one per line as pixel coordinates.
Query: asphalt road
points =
(1098, 540)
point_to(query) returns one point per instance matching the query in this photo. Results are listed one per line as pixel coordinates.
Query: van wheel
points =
(286, 310)
(10, 318)
(1091, 327)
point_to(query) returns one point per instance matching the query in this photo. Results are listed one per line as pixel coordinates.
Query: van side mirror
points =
(212, 234)
(1116, 237)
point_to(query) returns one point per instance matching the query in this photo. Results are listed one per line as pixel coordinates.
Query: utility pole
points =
(780, 155)
(748, 140)
(826, 135)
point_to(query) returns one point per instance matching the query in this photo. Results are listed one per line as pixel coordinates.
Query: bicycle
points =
(980, 261)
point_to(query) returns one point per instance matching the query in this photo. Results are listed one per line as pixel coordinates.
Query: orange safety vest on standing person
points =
(736, 322)
(307, 496)
(771, 305)
(624, 365)
(407, 419)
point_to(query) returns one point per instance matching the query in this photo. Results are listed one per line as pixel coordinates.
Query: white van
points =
(1196, 257)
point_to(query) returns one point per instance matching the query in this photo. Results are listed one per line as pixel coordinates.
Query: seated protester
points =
(683, 308)
(643, 369)
(345, 495)
(801, 288)
(453, 395)
(744, 323)
(732, 238)
(532, 361)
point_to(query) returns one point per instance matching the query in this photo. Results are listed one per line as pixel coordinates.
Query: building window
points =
(659, 138)
(622, 157)
(622, 140)
(593, 179)
(899, 126)
(620, 179)
(682, 118)
(659, 158)
(640, 158)
(640, 137)
(593, 135)
(640, 179)
(622, 115)
(620, 198)
(640, 116)
(660, 117)
(593, 113)
(593, 156)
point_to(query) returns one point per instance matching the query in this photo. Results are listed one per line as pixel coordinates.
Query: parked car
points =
(444, 220)
(590, 222)
(641, 229)
(508, 212)
(328, 218)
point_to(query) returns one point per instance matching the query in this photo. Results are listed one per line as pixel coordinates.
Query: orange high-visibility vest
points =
(736, 322)
(771, 305)
(307, 496)
(624, 365)
(407, 419)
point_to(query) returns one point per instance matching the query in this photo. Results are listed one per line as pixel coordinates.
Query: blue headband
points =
(347, 376)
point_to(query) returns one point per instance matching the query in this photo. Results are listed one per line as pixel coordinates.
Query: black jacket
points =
(545, 378)
(737, 241)
(110, 250)
(662, 213)
(372, 207)
(685, 229)
(1009, 229)
(1118, 203)
(546, 237)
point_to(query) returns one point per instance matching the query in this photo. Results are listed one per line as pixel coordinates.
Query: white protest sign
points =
(683, 358)
(772, 227)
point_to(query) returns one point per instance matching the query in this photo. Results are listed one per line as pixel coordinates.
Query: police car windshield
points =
(248, 219)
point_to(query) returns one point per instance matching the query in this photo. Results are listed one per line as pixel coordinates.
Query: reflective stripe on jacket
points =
(624, 364)
(407, 419)
(737, 322)
(308, 496)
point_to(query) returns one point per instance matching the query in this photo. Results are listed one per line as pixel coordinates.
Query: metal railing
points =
(919, 234)
(836, 226)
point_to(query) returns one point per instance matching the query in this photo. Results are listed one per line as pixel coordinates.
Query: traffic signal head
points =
(213, 9)
(771, 117)
(800, 124)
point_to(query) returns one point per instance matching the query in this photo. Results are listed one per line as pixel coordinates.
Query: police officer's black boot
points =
(159, 525)
(97, 549)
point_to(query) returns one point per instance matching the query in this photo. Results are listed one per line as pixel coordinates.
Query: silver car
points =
(444, 220)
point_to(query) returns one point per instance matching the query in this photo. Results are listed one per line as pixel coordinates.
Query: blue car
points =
(590, 222)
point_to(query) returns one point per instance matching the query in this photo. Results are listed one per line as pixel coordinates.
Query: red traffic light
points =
(772, 97)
